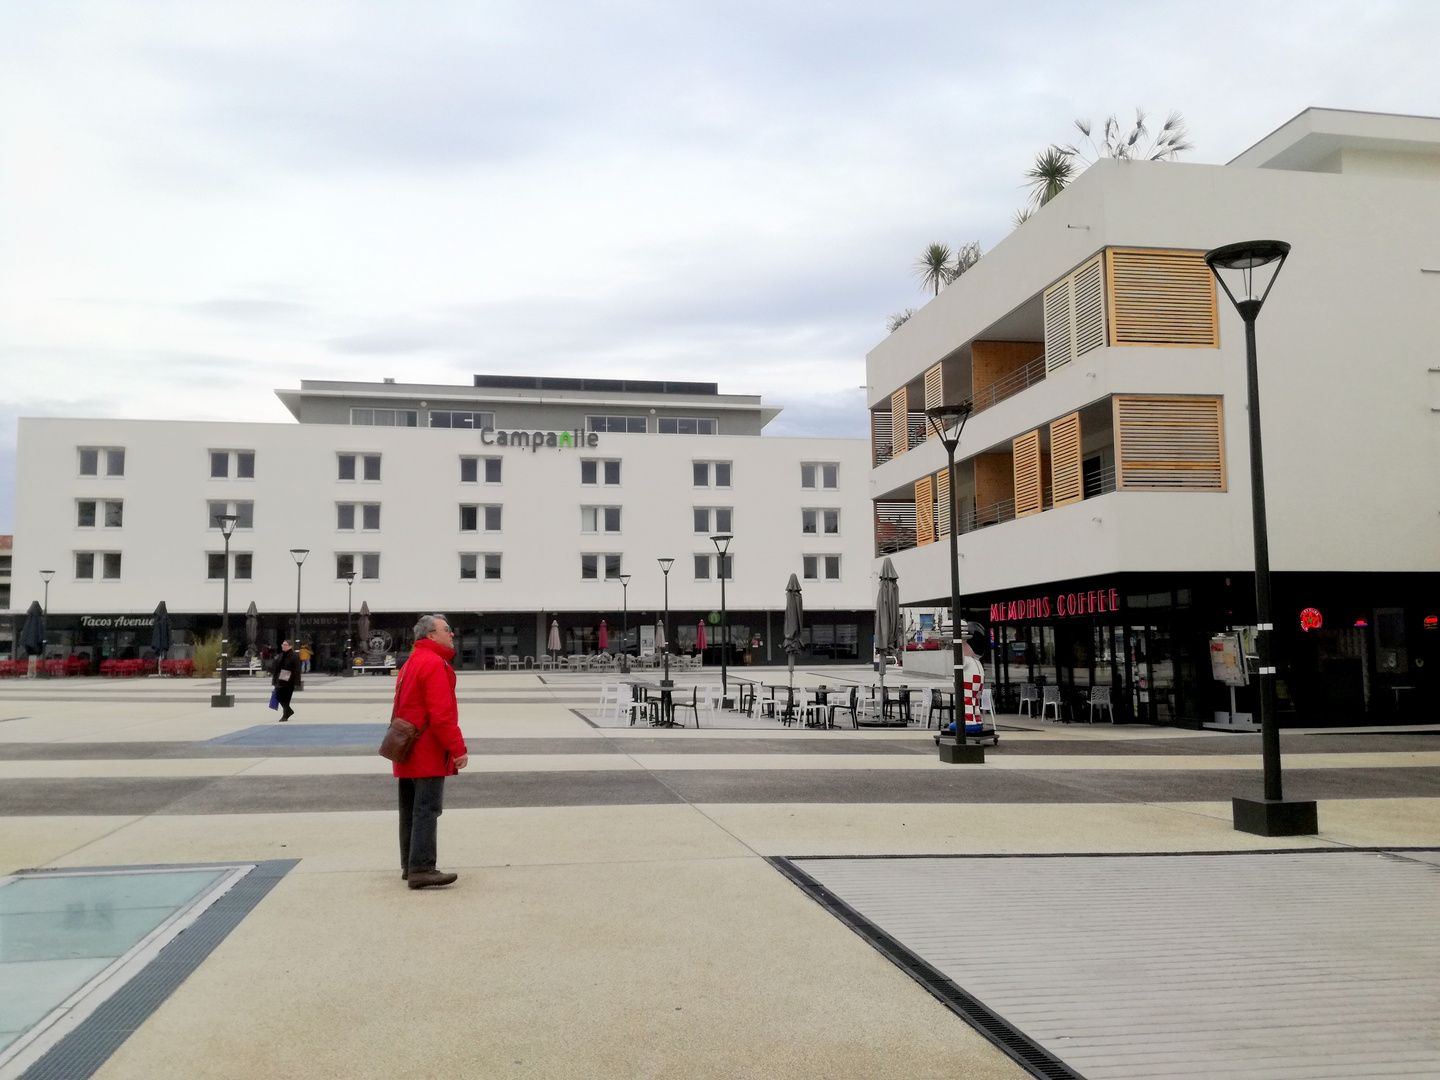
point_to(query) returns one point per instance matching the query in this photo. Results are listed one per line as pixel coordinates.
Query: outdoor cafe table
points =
(896, 697)
(641, 692)
(750, 691)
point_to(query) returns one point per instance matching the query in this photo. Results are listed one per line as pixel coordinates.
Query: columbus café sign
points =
(1061, 605)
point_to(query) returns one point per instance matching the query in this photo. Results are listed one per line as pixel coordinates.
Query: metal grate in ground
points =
(1295, 965)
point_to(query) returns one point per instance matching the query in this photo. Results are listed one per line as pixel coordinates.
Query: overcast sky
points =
(202, 202)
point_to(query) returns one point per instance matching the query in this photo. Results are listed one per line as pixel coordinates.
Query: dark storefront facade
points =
(483, 640)
(1367, 652)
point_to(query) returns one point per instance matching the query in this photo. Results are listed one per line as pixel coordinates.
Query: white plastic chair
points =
(609, 706)
(987, 703)
(1029, 698)
(1052, 697)
(1100, 699)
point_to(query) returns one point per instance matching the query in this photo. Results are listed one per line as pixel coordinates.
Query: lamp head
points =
(722, 542)
(948, 421)
(349, 577)
(1247, 271)
(47, 575)
(665, 565)
(226, 523)
(624, 579)
(298, 554)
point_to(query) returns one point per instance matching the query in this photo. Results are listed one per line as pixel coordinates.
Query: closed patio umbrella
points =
(700, 640)
(363, 627)
(553, 644)
(603, 638)
(160, 632)
(888, 633)
(794, 619)
(252, 628)
(32, 636)
(660, 646)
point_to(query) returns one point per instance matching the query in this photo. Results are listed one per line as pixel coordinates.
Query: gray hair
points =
(427, 624)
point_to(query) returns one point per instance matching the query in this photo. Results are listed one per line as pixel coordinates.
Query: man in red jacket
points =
(425, 696)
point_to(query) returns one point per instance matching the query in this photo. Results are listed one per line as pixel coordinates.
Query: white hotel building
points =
(506, 505)
(1104, 486)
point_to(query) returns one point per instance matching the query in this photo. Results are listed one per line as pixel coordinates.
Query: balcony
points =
(1009, 385)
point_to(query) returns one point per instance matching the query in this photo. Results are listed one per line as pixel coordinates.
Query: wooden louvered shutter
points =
(1067, 482)
(1169, 443)
(1089, 302)
(899, 423)
(1059, 348)
(924, 510)
(1029, 488)
(934, 394)
(942, 504)
(1162, 298)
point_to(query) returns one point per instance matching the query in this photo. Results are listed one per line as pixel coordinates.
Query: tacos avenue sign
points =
(535, 441)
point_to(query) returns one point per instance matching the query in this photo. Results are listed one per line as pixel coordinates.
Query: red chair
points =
(107, 667)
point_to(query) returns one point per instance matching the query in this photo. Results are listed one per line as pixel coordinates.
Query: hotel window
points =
(471, 566)
(704, 470)
(368, 514)
(724, 567)
(109, 565)
(492, 519)
(813, 521)
(244, 464)
(492, 470)
(384, 417)
(241, 566)
(345, 516)
(826, 473)
(590, 567)
(686, 425)
(470, 470)
(592, 470)
(90, 461)
(473, 420)
(600, 519)
(718, 516)
(369, 466)
(631, 424)
(244, 514)
(469, 519)
(369, 564)
(813, 564)
(832, 567)
(90, 512)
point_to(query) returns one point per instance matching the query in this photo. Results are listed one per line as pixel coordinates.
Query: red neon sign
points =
(1311, 619)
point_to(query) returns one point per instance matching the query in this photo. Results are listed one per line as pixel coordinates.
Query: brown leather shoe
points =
(429, 879)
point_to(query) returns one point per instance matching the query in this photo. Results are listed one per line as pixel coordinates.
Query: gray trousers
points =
(421, 804)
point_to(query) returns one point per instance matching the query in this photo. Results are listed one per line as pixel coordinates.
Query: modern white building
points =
(508, 505)
(1105, 523)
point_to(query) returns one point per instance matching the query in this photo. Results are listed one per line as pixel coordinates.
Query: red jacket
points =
(425, 693)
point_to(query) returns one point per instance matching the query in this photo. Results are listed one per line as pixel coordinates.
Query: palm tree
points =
(966, 256)
(933, 268)
(1171, 140)
(1053, 170)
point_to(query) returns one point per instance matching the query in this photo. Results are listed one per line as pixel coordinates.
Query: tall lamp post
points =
(45, 576)
(625, 623)
(224, 699)
(298, 554)
(948, 421)
(665, 565)
(722, 547)
(349, 577)
(1247, 272)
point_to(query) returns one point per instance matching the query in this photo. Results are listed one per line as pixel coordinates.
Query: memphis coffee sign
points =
(535, 441)
(1060, 605)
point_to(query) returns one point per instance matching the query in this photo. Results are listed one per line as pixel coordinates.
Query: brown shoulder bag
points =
(401, 735)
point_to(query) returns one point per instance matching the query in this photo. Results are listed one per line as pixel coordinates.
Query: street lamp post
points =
(224, 699)
(722, 546)
(625, 623)
(948, 421)
(45, 576)
(1251, 267)
(298, 554)
(349, 577)
(665, 565)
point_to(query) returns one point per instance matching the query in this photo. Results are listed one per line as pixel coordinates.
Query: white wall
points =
(166, 488)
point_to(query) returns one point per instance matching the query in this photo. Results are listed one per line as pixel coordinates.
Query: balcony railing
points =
(1010, 385)
(883, 439)
(894, 526)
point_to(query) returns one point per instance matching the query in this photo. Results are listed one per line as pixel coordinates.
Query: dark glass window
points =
(469, 470)
(612, 472)
(370, 564)
(807, 521)
(115, 466)
(89, 462)
(85, 564)
(612, 519)
(245, 465)
(492, 470)
(114, 514)
(217, 511)
(807, 476)
(722, 519)
(469, 518)
(244, 561)
(589, 567)
(347, 466)
(371, 516)
(492, 567)
(725, 566)
(832, 521)
(467, 562)
(372, 466)
(612, 567)
(110, 567)
(219, 463)
(345, 515)
(702, 474)
(588, 472)
(244, 515)
(344, 564)
(216, 565)
(830, 475)
(812, 567)
(722, 474)
(702, 567)
(492, 519)
(702, 519)
(832, 567)
(85, 514)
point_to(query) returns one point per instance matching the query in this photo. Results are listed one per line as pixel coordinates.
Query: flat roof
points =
(1306, 139)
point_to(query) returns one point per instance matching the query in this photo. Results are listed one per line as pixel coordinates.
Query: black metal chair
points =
(851, 706)
(693, 705)
(945, 709)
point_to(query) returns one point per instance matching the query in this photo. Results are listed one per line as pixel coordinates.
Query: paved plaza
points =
(629, 903)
